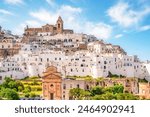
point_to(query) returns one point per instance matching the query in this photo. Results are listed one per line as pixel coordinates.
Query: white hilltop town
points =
(73, 54)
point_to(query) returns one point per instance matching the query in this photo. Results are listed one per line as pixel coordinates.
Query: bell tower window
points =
(58, 25)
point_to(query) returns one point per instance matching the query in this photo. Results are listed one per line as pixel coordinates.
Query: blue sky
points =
(121, 22)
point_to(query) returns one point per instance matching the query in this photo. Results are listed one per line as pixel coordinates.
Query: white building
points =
(97, 60)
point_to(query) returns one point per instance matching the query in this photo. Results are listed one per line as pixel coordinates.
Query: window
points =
(64, 86)
(97, 83)
(0, 77)
(47, 59)
(51, 85)
(58, 25)
(71, 86)
(87, 87)
(71, 70)
(78, 86)
(83, 60)
(105, 62)
(104, 67)
(70, 40)
(65, 40)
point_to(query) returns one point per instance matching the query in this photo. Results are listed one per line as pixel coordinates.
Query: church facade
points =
(58, 28)
(51, 84)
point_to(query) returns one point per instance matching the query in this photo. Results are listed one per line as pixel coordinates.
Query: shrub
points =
(27, 95)
(32, 95)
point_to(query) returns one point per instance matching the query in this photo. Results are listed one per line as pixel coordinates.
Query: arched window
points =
(87, 87)
(78, 86)
(64, 86)
(58, 25)
(51, 85)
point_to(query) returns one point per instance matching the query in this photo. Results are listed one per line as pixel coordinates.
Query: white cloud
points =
(5, 12)
(1, 20)
(100, 30)
(118, 36)
(42, 15)
(73, 20)
(51, 17)
(51, 3)
(31, 23)
(125, 16)
(77, 1)
(14, 1)
(144, 28)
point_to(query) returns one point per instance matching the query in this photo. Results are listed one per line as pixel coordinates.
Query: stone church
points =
(58, 28)
(51, 84)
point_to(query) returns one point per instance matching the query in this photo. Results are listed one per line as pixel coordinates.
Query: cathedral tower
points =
(59, 25)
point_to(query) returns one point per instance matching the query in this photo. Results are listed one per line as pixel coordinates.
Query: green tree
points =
(9, 94)
(77, 93)
(126, 96)
(85, 95)
(114, 89)
(6, 82)
(97, 90)
(12, 85)
(106, 96)
(117, 89)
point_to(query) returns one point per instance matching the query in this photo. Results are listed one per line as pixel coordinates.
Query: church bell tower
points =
(59, 25)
